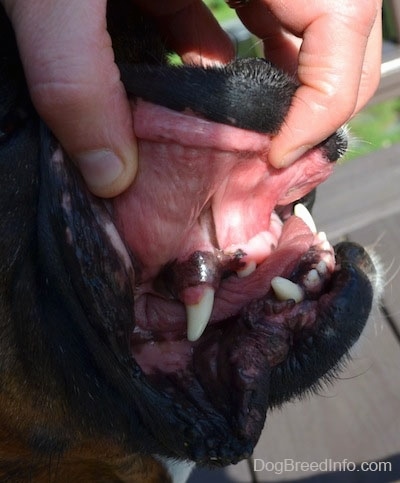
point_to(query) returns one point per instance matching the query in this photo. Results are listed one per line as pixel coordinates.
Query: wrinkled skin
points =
(95, 361)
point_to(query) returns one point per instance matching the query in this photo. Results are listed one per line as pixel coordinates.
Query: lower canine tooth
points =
(247, 270)
(302, 212)
(198, 315)
(285, 289)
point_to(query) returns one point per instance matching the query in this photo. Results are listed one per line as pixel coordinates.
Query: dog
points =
(148, 333)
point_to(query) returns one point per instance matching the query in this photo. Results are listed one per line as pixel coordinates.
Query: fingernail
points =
(292, 156)
(99, 168)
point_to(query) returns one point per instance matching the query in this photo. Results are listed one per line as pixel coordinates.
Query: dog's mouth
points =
(234, 285)
(212, 227)
(232, 301)
(210, 224)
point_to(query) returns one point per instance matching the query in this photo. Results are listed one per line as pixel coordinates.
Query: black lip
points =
(318, 355)
(233, 383)
(247, 93)
(251, 94)
(218, 420)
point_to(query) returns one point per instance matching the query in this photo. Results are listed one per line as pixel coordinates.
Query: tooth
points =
(302, 212)
(322, 267)
(326, 246)
(247, 270)
(312, 279)
(198, 315)
(285, 289)
(327, 257)
(321, 235)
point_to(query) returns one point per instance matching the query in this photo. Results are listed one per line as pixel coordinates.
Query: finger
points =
(192, 31)
(75, 86)
(371, 72)
(330, 67)
(280, 46)
(197, 37)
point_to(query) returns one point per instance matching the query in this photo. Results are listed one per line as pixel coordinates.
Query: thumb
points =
(75, 86)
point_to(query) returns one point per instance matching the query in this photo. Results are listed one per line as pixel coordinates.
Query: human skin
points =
(334, 49)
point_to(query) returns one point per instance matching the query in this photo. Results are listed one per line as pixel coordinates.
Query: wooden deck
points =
(357, 419)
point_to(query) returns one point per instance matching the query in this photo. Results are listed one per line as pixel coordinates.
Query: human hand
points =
(75, 84)
(64, 45)
(334, 48)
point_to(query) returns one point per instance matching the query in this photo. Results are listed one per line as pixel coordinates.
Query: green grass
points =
(374, 128)
(220, 9)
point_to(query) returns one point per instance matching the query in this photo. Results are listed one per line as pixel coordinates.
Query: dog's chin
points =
(284, 309)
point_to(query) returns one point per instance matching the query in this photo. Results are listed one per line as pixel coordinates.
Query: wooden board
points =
(359, 193)
(239, 473)
(357, 419)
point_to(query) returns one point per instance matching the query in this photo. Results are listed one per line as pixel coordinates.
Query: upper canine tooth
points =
(325, 246)
(198, 315)
(302, 212)
(321, 235)
(285, 289)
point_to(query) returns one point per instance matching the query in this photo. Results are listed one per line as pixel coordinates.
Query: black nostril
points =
(335, 145)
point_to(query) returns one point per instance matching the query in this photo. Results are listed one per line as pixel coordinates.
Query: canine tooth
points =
(198, 315)
(286, 289)
(312, 279)
(322, 267)
(302, 212)
(321, 235)
(247, 270)
(325, 246)
(327, 258)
